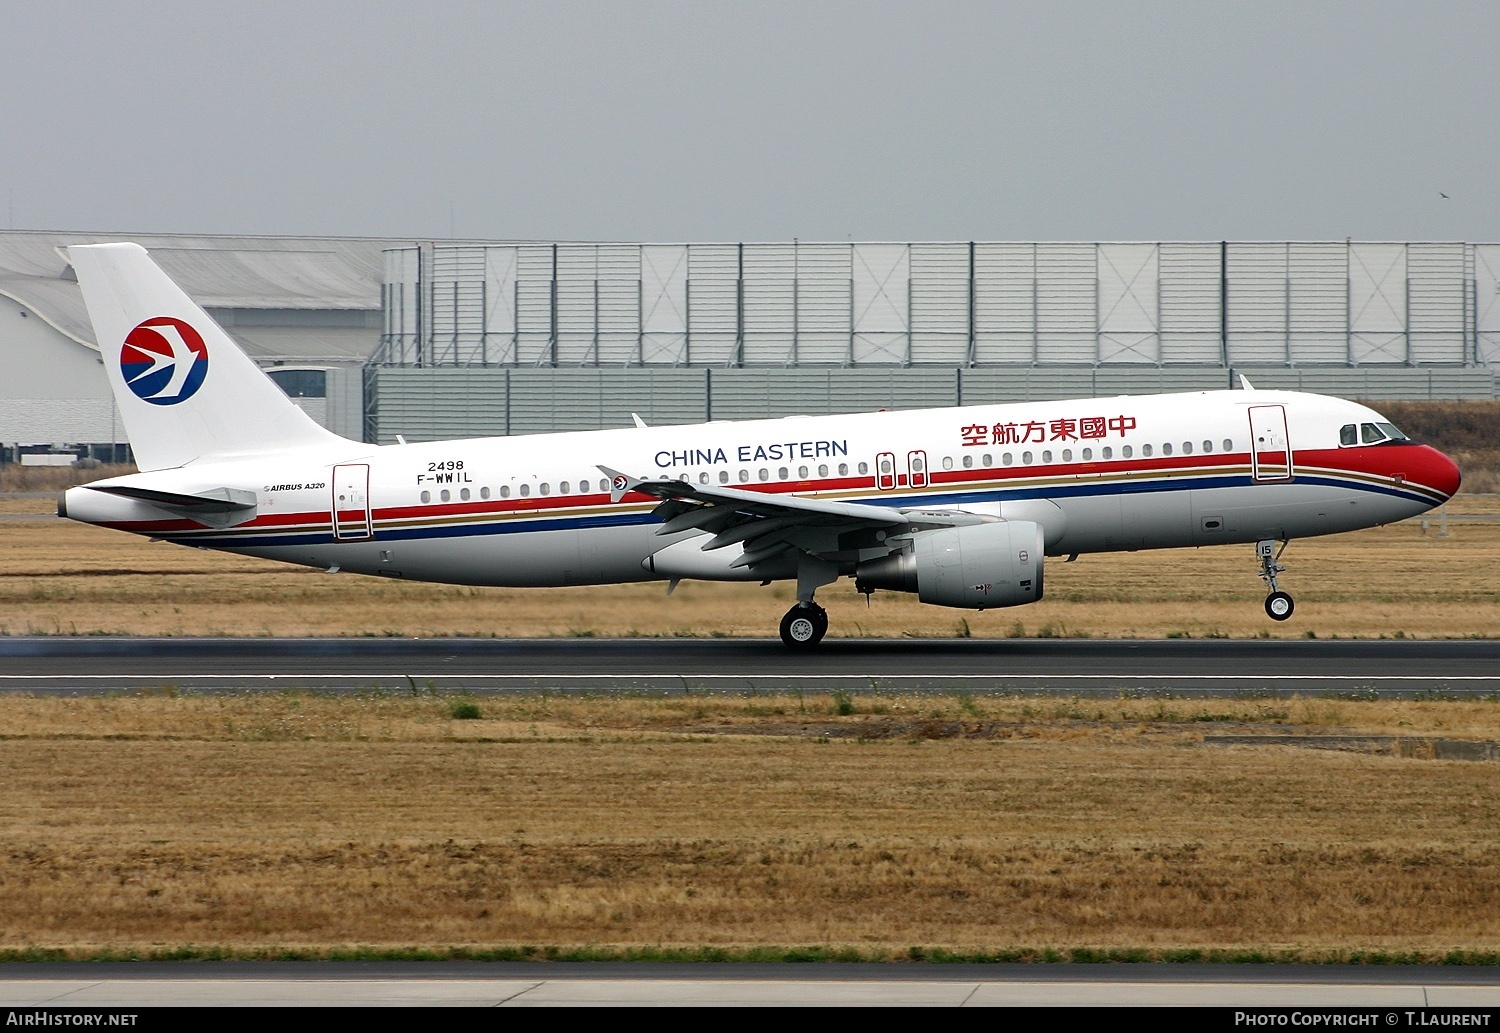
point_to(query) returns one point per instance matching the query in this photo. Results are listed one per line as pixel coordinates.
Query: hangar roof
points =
(294, 275)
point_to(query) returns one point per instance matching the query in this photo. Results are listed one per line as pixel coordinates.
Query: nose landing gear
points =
(1279, 605)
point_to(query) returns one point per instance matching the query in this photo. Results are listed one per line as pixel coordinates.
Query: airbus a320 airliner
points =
(960, 506)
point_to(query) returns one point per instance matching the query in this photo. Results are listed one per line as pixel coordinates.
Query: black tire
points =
(1279, 606)
(804, 626)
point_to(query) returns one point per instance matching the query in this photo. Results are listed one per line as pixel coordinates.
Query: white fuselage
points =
(1104, 474)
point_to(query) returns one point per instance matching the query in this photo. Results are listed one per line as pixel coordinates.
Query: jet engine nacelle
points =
(975, 567)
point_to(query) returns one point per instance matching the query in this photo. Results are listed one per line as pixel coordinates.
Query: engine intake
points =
(978, 567)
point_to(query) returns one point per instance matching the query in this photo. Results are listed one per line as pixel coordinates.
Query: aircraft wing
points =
(768, 524)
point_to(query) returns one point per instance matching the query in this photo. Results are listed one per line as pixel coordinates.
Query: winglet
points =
(640, 423)
(1245, 384)
(619, 483)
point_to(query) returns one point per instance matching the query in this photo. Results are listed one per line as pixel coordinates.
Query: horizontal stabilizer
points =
(216, 507)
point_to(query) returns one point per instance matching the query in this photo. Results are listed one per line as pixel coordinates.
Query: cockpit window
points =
(1369, 433)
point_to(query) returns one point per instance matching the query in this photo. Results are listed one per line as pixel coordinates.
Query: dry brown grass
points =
(139, 822)
(15, 477)
(426, 717)
(58, 577)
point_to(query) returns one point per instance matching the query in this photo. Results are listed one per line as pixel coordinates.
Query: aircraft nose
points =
(1437, 471)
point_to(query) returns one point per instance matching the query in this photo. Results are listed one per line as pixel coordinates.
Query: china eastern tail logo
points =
(164, 361)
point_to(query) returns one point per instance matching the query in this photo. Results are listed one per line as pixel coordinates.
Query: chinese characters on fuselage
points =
(1086, 428)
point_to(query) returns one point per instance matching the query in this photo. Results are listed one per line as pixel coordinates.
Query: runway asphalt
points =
(1409, 668)
(477, 984)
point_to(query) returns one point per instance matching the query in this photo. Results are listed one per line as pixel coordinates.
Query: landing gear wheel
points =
(804, 625)
(1278, 606)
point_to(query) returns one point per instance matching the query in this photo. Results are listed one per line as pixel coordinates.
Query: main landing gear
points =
(804, 625)
(1279, 605)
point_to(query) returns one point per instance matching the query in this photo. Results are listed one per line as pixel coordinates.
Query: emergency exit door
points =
(1270, 448)
(351, 501)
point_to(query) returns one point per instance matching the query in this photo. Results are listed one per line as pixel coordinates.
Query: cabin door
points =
(1270, 449)
(351, 501)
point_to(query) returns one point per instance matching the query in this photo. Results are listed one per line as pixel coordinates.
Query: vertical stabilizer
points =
(184, 389)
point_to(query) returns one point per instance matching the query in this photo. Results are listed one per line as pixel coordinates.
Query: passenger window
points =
(744, 476)
(802, 473)
(505, 491)
(1047, 456)
(464, 494)
(1187, 448)
(1088, 454)
(781, 474)
(1369, 434)
(562, 489)
(765, 474)
(1228, 445)
(525, 490)
(484, 493)
(987, 459)
(968, 462)
(426, 496)
(844, 469)
(1125, 452)
(1208, 446)
(885, 466)
(546, 489)
(446, 495)
(1348, 434)
(947, 462)
(822, 469)
(1146, 451)
(864, 468)
(1166, 449)
(1067, 455)
(703, 477)
(1025, 458)
(1106, 453)
(1006, 459)
(723, 476)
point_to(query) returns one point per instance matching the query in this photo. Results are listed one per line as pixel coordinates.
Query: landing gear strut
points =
(804, 625)
(1279, 605)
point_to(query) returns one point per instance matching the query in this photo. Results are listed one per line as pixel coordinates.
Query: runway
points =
(477, 984)
(1389, 668)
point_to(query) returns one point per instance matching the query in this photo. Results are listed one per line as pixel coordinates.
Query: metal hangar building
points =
(379, 337)
(512, 338)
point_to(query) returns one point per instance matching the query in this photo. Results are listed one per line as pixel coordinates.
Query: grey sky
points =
(755, 121)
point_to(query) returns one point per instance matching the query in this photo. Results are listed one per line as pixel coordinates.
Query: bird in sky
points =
(1443, 195)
